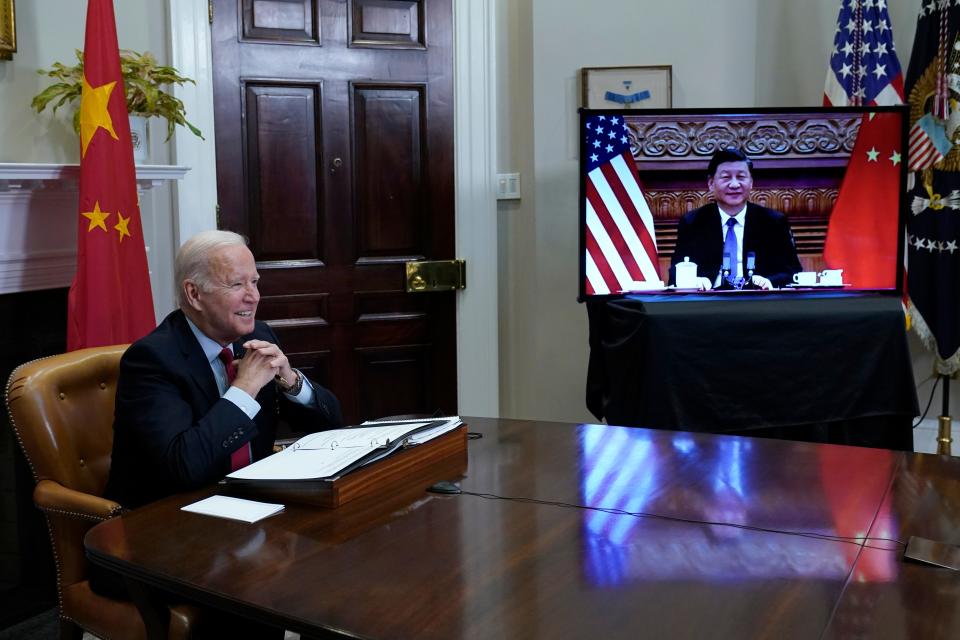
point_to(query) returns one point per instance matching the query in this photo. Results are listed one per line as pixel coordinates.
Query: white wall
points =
(730, 53)
(50, 31)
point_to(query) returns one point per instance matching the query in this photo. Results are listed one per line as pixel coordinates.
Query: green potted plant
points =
(143, 79)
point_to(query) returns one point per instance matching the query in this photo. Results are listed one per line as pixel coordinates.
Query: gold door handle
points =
(424, 276)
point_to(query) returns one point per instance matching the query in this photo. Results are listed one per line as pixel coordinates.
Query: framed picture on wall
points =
(8, 30)
(626, 87)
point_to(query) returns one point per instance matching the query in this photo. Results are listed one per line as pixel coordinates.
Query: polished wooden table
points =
(532, 564)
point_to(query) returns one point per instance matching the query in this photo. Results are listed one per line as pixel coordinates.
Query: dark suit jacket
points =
(765, 232)
(173, 431)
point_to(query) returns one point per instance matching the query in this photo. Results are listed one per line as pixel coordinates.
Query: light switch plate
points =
(508, 186)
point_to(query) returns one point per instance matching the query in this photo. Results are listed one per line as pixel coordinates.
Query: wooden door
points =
(334, 136)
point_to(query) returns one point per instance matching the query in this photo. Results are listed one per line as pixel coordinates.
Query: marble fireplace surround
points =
(38, 221)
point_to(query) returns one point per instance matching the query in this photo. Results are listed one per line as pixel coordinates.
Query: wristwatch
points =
(288, 388)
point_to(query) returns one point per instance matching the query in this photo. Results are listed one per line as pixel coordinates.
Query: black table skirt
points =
(817, 367)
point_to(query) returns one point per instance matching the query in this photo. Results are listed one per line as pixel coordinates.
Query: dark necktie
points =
(242, 456)
(730, 246)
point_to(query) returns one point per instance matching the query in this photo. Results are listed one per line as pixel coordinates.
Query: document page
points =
(368, 437)
(233, 508)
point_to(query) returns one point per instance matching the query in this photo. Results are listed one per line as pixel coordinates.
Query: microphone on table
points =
(750, 266)
(726, 273)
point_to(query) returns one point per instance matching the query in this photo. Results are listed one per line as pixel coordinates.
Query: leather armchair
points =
(61, 410)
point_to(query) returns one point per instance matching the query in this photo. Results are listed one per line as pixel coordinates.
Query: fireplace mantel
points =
(38, 221)
(30, 176)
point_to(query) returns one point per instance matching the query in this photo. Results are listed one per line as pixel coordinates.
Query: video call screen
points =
(825, 196)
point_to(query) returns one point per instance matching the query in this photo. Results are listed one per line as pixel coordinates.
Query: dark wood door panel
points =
(289, 21)
(395, 381)
(388, 168)
(282, 132)
(395, 24)
(337, 161)
(376, 305)
(305, 305)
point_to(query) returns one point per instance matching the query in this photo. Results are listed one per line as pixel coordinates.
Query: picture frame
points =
(643, 87)
(8, 30)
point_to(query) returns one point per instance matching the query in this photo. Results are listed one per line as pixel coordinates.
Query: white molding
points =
(38, 270)
(28, 176)
(38, 221)
(195, 197)
(475, 130)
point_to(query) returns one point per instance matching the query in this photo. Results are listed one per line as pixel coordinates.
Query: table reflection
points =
(724, 480)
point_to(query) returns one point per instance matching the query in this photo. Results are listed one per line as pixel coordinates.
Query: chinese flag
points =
(110, 300)
(862, 234)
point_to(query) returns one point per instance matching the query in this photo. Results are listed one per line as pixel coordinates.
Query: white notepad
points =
(234, 508)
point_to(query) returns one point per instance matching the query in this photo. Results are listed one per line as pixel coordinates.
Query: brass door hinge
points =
(210, 11)
(425, 276)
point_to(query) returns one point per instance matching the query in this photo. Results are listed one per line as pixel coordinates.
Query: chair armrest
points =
(53, 497)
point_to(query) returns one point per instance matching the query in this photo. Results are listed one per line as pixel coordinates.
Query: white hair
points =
(193, 259)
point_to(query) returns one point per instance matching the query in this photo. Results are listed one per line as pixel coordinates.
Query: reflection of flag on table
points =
(621, 246)
(864, 69)
(110, 300)
(933, 224)
(863, 232)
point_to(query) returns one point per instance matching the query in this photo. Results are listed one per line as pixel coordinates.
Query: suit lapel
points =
(750, 231)
(715, 231)
(194, 359)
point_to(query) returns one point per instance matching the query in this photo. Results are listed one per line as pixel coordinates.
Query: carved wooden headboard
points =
(798, 164)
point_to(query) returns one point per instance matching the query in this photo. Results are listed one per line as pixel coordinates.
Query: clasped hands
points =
(262, 362)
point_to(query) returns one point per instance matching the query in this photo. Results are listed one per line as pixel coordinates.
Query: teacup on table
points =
(831, 277)
(805, 278)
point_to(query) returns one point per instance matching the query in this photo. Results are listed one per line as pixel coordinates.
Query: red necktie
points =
(242, 456)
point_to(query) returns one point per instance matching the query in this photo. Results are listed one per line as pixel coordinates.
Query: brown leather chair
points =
(61, 410)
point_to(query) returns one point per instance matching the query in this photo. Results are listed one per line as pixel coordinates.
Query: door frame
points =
(475, 136)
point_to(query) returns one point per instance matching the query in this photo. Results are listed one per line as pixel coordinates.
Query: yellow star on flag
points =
(872, 155)
(895, 158)
(96, 217)
(122, 226)
(93, 112)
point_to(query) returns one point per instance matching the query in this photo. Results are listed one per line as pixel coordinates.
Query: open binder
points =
(332, 467)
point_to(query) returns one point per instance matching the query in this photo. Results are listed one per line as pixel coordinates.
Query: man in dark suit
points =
(735, 227)
(187, 411)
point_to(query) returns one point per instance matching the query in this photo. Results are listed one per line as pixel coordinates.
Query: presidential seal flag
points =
(621, 247)
(933, 223)
(110, 300)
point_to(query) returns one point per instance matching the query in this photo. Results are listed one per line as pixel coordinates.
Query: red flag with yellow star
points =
(110, 300)
(863, 229)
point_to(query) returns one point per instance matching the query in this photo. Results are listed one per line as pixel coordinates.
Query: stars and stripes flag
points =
(620, 243)
(864, 69)
(933, 223)
(110, 300)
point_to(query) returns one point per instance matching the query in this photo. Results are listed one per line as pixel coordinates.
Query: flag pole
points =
(944, 437)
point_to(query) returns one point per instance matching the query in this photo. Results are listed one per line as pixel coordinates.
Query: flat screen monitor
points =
(819, 194)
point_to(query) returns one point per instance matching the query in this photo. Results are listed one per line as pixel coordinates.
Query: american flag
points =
(864, 69)
(621, 248)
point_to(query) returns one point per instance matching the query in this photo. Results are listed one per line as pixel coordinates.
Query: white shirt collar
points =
(724, 216)
(211, 348)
